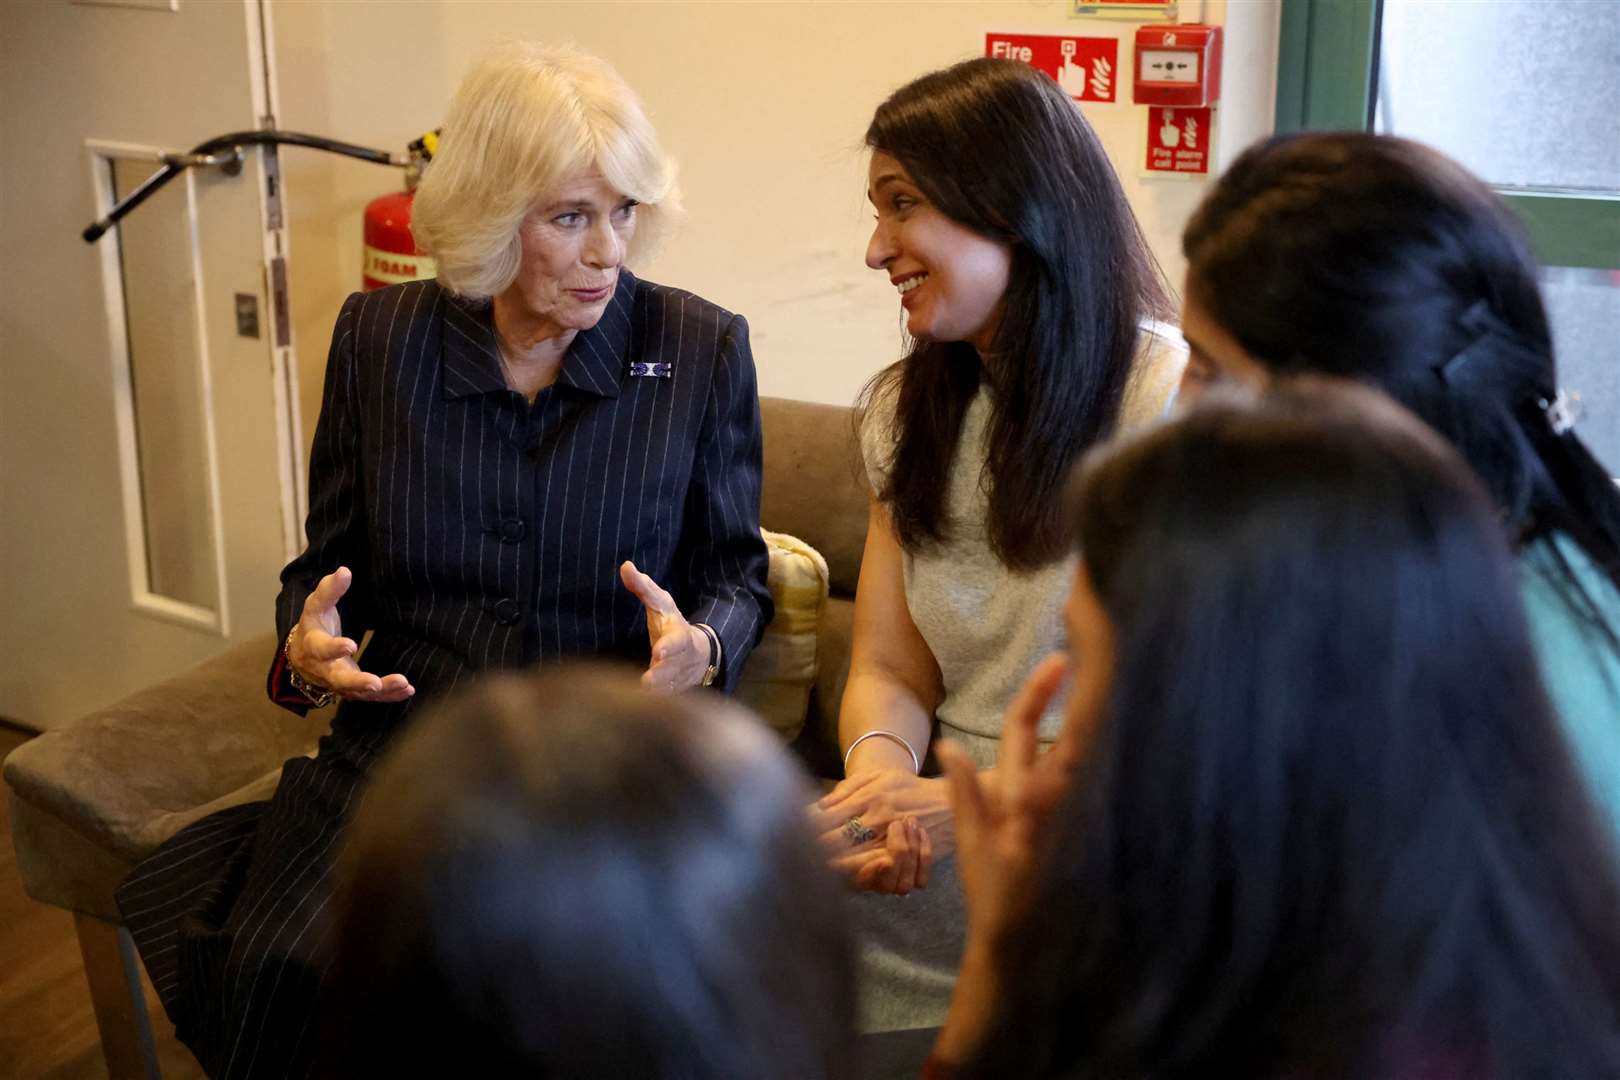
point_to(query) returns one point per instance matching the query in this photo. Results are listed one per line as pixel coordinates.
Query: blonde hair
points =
(523, 120)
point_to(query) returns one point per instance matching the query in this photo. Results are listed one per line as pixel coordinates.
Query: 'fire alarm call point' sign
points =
(1178, 141)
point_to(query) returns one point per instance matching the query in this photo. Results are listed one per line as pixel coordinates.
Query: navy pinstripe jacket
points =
(484, 532)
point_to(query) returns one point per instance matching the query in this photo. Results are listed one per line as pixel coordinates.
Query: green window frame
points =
(1327, 70)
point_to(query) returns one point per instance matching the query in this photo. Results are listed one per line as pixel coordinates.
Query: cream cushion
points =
(781, 671)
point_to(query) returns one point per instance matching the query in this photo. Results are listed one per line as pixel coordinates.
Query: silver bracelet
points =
(916, 764)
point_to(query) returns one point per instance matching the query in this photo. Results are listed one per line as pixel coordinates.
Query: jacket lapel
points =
(471, 361)
(597, 361)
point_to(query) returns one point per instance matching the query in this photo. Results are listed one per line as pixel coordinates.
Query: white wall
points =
(762, 104)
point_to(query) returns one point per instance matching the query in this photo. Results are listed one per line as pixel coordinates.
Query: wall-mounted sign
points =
(1140, 10)
(1179, 142)
(1087, 68)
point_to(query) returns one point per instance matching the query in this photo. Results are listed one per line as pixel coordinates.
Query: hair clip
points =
(1476, 321)
(1452, 367)
(1562, 411)
(1492, 338)
(1477, 318)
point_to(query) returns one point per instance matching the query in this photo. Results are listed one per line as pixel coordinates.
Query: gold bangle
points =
(319, 697)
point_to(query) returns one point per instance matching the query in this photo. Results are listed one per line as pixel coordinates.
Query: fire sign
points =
(1178, 141)
(1086, 68)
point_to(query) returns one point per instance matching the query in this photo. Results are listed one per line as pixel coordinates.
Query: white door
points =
(147, 412)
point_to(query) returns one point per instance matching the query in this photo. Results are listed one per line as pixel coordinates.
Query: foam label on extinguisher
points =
(391, 268)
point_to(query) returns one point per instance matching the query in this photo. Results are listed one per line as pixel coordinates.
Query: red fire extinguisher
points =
(390, 254)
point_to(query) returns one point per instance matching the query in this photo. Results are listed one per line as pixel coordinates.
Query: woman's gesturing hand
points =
(680, 651)
(1000, 832)
(321, 655)
(907, 825)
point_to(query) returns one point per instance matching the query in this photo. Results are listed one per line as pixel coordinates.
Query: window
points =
(1527, 95)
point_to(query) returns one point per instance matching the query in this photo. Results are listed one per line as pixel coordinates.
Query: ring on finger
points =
(857, 832)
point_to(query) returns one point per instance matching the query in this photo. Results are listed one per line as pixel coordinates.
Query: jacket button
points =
(512, 530)
(507, 612)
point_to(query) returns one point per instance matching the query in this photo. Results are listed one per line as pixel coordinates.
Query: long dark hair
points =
(1329, 826)
(564, 876)
(1377, 258)
(996, 146)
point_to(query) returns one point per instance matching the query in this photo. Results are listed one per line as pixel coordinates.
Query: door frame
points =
(277, 252)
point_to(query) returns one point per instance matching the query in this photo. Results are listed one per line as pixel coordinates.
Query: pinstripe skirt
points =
(230, 914)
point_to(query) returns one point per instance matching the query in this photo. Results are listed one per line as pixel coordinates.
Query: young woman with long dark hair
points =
(1312, 815)
(1381, 260)
(1031, 301)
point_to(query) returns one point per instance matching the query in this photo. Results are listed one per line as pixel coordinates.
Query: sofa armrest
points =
(131, 775)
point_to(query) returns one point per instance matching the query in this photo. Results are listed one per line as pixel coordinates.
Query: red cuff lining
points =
(280, 686)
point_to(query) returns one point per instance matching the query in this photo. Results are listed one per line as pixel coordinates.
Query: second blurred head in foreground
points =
(1323, 822)
(628, 888)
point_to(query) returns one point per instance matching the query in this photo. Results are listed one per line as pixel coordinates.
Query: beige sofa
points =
(91, 799)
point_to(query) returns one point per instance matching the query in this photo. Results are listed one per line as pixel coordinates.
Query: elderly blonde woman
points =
(535, 457)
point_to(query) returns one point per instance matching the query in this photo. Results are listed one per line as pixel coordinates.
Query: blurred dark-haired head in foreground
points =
(1323, 821)
(564, 875)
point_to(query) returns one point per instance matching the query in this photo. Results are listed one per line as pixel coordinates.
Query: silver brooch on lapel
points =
(661, 370)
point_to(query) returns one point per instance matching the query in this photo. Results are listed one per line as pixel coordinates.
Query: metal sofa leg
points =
(114, 972)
